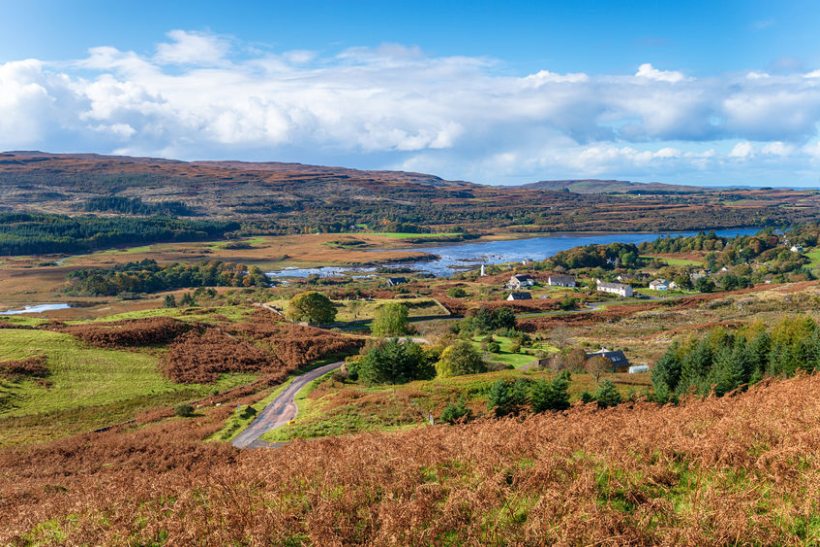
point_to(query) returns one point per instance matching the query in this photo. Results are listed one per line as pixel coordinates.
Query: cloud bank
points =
(202, 96)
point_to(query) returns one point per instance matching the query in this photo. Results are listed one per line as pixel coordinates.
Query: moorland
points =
(473, 408)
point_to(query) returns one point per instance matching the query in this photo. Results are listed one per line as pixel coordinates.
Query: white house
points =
(519, 281)
(796, 248)
(659, 285)
(614, 288)
(557, 280)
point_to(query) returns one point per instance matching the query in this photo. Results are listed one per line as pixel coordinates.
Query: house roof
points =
(396, 280)
(562, 277)
(520, 296)
(522, 277)
(617, 356)
(608, 285)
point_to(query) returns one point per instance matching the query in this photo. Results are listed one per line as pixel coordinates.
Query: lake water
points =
(461, 256)
(39, 308)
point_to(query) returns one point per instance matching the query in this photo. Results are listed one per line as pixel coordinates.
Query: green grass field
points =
(329, 408)
(673, 261)
(814, 256)
(507, 357)
(88, 388)
(203, 314)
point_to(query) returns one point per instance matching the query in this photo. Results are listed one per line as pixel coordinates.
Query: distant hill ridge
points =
(598, 186)
(294, 197)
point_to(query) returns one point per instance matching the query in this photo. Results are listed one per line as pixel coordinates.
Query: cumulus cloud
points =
(192, 48)
(395, 106)
(648, 72)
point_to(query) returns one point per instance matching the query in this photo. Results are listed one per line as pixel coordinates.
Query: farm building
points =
(637, 369)
(614, 288)
(619, 361)
(561, 280)
(519, 296)
(659, 285)
(395, 281)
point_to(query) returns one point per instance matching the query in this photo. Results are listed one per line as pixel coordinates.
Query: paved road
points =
(280, 411)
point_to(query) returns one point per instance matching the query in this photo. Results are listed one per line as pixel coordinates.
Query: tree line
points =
(147, 276)
(722, 361)
(135, 206)
(29, 233)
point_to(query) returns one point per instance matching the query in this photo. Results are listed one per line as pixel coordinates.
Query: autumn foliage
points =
(264, 344)
(731, 470)
(131, 332)
(201, 358)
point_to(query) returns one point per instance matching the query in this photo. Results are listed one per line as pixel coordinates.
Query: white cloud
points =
(648, 72)
(192, 48)
(742, 150)
(464, 117)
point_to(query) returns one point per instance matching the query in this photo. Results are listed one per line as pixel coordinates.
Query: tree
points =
(552, 395)
(597, 366)
(666, 374)
(394, 362)
(390, 320)
(607, 394)
(312, 307)
(170, 301)
(726, 373)
(507, 396)
(460, 358)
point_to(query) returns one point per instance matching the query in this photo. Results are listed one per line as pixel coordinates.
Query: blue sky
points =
(720, 92)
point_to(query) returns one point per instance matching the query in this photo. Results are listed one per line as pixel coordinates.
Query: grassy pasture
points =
(327, 407)
(88, 388)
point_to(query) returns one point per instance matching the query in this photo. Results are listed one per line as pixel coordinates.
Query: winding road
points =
(280, 411)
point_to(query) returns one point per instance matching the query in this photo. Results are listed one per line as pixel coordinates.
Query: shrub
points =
(607, 395)
(460, 358)
(552, 395)
(184, 410)
(456, 292)
(456, 412)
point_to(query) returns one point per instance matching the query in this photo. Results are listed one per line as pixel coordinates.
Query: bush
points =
(607, 395)
(184, 410)
(456, 412)
(507, 396)
(460, 358)
(456, 292)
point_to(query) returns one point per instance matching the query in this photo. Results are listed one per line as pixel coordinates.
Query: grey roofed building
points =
(616, 357)
(393, 281)
(519, 296)
(560, 280)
